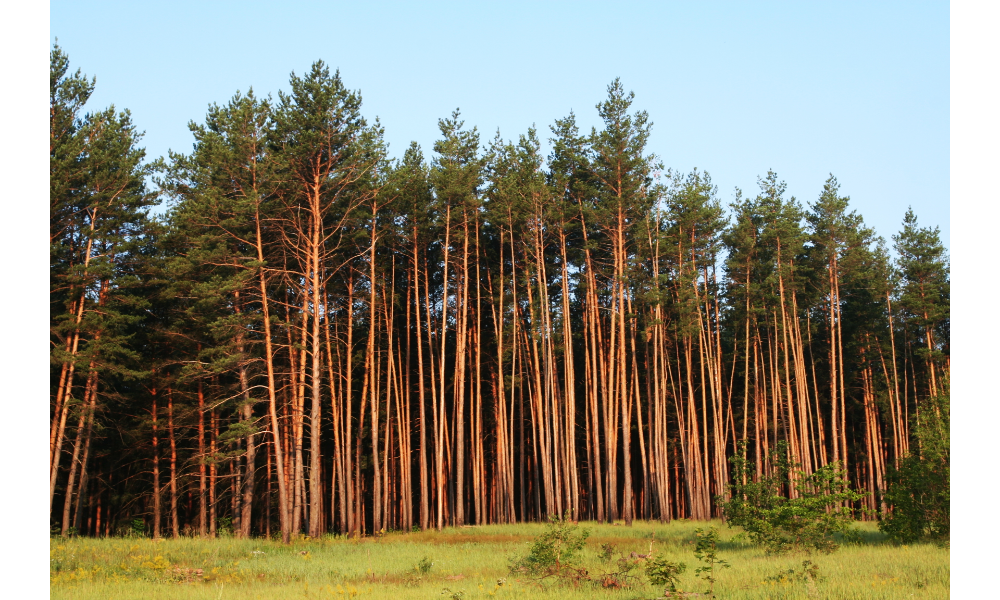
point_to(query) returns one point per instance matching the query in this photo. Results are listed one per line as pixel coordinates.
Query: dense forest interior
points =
(316, 337)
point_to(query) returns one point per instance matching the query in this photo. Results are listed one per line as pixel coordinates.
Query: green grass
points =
(470, 560)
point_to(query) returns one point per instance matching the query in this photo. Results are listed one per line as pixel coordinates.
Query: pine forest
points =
(286, 331)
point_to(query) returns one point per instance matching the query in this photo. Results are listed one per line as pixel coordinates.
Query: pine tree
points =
(622, 174)
(573, 193)
(765, 243)
(693, 223)
(226, 191)
(456, 176)
(98, 200)
(328, 158)
(925, 294)
(850, 276)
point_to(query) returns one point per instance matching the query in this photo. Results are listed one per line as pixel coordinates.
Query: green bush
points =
(782, 524)
(918, 498)
(424, 566)
(661, 571)
(137, 528)
(555, 552)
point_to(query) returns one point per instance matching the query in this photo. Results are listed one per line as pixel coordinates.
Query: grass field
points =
(472, 562)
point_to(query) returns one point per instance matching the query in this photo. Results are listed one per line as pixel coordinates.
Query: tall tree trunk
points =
(202, 467)
(174, 523)
(85, 463)
(372, 382)
(63, 393)
(421, 386)
(212, 475)
(272, 402)
(157, 512)
(462, 307)
(83, 430)
(246, 416)
(440, 411)
(315, 413)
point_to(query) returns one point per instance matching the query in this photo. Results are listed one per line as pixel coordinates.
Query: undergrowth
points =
(645, 561)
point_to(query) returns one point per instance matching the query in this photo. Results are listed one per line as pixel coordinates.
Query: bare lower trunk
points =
(202, 470)
(174, 524)
(156, 470)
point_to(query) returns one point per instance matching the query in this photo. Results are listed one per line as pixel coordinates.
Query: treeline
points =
(319, 338)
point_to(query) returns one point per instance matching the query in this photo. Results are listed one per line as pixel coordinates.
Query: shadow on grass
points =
(862, 537)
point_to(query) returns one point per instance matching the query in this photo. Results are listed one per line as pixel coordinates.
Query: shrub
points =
(137, 528)
(780, 524)
(661, 571)
(225, 527)
(619, 573)
(555, 552)
(424, 566)
(918, 498)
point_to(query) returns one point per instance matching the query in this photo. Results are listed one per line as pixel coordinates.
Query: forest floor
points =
(472, 562)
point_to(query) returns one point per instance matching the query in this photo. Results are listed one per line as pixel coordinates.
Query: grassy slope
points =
(470, 560)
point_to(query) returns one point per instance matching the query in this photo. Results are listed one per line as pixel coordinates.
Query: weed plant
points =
(707, 551)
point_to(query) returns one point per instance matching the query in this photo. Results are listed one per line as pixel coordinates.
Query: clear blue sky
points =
(857, 89)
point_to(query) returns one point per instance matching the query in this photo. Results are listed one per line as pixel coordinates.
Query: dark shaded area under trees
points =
(318, 338)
